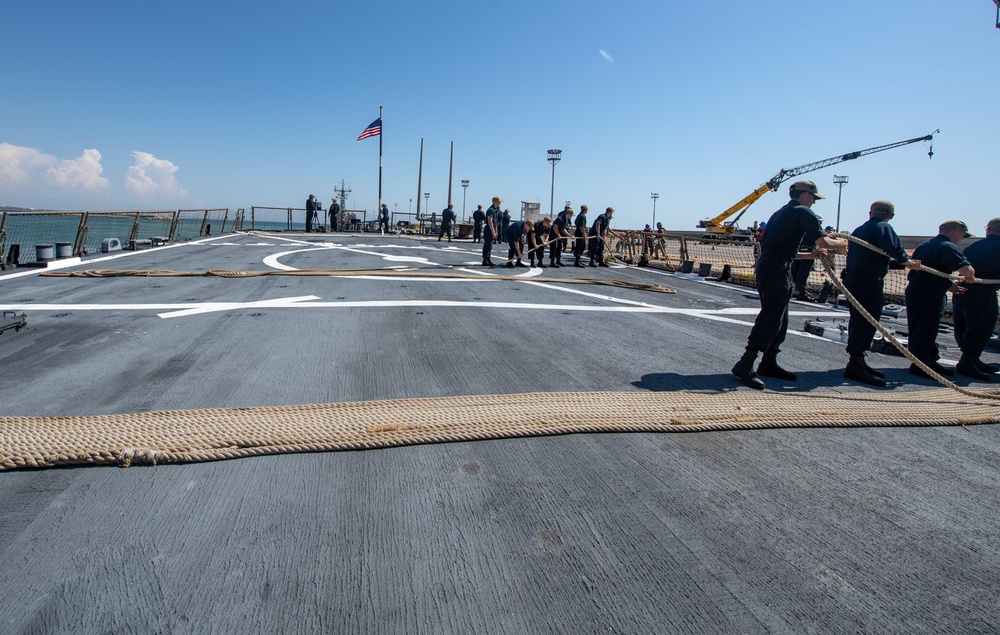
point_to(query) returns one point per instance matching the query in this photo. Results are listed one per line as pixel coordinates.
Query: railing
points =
(83, 231)
(288, 219)
(728, 261)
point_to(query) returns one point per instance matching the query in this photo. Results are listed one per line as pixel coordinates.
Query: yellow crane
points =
(720, 228)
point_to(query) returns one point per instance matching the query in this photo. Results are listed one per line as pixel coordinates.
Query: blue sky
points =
(183, 104)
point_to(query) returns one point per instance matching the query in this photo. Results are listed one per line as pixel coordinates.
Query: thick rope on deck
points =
(204, 435)
(434, 272)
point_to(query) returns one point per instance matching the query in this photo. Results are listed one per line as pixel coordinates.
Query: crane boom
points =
(718, 225)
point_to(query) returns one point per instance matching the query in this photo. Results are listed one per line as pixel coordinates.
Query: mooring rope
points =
(432, 272)
(225, 433)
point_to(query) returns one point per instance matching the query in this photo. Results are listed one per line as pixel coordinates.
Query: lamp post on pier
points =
(839, 181)
(465, 187)
(554, 156)
(654, 196)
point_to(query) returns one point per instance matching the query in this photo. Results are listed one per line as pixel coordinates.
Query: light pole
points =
(654, 196)
(427, 202)
(839, 181)
(465, 187)
(411, 205)
(554, 156)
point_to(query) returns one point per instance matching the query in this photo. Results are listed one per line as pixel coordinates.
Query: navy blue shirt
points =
(479, 216)
(786, 229)
(494, 213)
(558, 226)
(599, 222)
(937, 253)
(876, 231)
(514, 231)
(984, 256)
(447, 216)
(581, 224)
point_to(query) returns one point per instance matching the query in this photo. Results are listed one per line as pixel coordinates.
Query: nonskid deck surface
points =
(777, 530)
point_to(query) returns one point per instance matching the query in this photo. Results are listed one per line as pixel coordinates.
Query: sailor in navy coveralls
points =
(865, 279)
(785, 230)
(926, 294)
(976, 311)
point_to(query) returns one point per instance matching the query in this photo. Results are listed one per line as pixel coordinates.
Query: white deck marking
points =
(274, 261)
(211, 307)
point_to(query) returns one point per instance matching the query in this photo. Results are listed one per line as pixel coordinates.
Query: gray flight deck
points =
(832, 530)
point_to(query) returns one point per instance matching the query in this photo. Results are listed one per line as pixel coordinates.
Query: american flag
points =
(374, 129)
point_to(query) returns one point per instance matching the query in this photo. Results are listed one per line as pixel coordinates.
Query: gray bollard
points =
(64, 250)
(43, 253)
(687, 266)
(704, 269)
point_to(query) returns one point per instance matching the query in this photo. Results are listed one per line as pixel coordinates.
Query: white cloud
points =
(83, 173)
(152, 177)
(17, 163)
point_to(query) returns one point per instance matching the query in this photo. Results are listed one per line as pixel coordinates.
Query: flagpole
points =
(451, 165)
(380, 159)
(420, 176)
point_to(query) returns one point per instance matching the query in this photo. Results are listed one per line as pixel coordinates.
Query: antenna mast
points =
(343, 192)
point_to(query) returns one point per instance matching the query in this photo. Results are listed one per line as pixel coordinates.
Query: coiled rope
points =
(225, 433)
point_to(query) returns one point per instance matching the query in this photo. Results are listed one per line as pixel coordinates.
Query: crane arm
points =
(747, 201)
(787, 173)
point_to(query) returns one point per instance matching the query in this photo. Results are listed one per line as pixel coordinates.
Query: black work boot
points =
(986, 368)
(858, 371)
(967, 366)
(871, 370)
(769, 368)
(744, 370)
